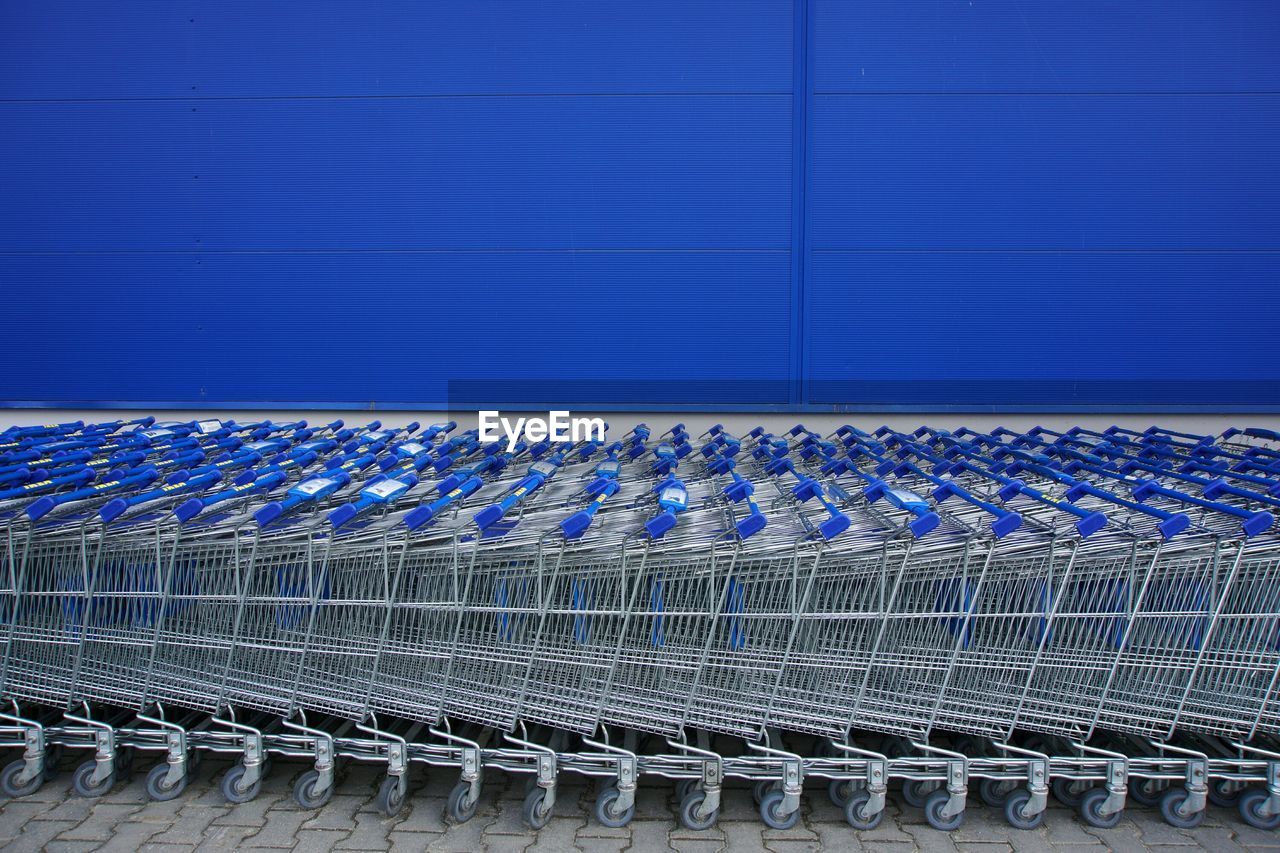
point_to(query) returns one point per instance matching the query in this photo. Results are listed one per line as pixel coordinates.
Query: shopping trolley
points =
(1085, 613)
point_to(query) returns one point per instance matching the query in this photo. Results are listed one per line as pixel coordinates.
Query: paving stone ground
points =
(55, 819)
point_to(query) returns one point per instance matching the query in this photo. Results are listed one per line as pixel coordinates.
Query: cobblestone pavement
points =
(55, 819)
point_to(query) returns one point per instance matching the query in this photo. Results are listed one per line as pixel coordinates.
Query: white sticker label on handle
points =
(905, 497)
(207, 427)
(386, 489)
(314, 486)
(412, 448)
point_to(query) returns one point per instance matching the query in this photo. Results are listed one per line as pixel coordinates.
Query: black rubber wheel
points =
(1225, 793)
(1250, 804)
(933, 807)
(52, 760)
(1014, 804)
(1038, 743)
(772, 816)
(761, 789)
(9, 780)
(234, 788)
(607, 812)
(534, 811)
(1090, 809)
(684, 787)
(82, 782)
(916, 791)
(840, 790)
(124, 763)
(1170, 809)
(461, 805)
(159, 788)
(1147, 792)
(855, 811)
(1069, 791)
(304, 790)
(994, 792)
(390, 797)
(689, 807)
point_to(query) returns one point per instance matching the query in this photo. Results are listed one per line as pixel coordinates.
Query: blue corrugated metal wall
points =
(827, 203)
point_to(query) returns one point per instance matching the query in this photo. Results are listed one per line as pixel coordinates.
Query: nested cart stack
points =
(1092, 615)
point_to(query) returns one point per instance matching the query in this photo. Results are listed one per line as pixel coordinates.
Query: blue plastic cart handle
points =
(418, 516)
(44, 505)
(494, 512)
(1006, 521)
(311, 489)
(116, 507)
(1171, 523)
(189, 510)
(82, 475)
(1252, 523)
(576, 525)
(381, 490)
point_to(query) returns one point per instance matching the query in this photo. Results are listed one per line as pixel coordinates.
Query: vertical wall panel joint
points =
(800, 89)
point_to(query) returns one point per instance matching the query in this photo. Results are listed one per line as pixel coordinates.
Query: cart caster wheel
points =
(1014, 805)
(234, 788)
(762, 788)
(124, 763)
(1091, 809)
(159, 788)
(994, 792)
(840, 790)
(534, 811)
(690, 806)
(304, 790)
(933, 806)
(462, 807)
(915, 792)
(1225, 794)
(1250, 804)
(607, 812)
(390, 797)
(9, 780)
(1069, 792)
(82, 782)
(684, 788)
(52, 760)
(773, 818)
(1146, 792)
(855, 812)
(1171, 810)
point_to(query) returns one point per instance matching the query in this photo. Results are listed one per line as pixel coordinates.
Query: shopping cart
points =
(1083, 613)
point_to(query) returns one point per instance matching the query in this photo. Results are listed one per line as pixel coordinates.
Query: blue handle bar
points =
(576, 525)
(926, 519)
(494, 512)
(44, 505)
(311, 489)
(1252, 524)
(385, 491)
(1171, 524)
(189, 510)
(420, 515)
(83, 475)
(1006, 521)
(116, 507)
